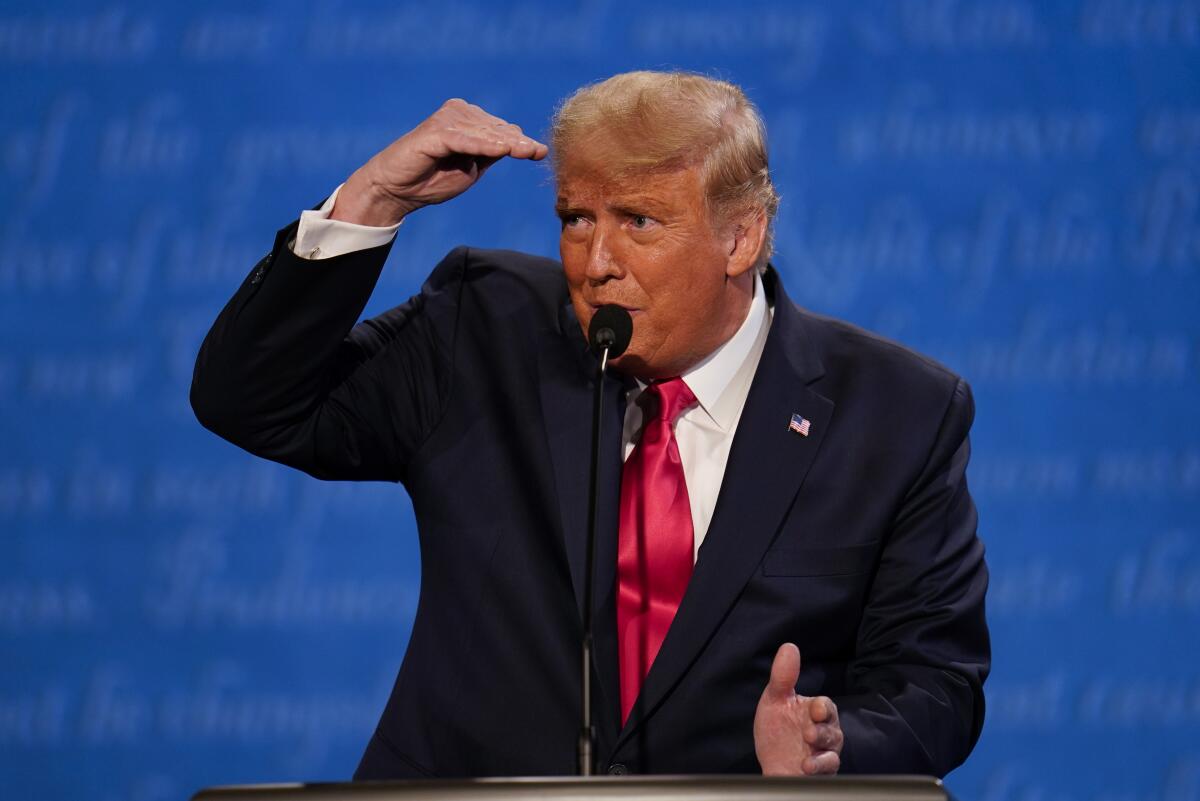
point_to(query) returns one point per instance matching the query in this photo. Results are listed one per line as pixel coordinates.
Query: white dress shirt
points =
(704, 433)
(318, 237)
(720, 382)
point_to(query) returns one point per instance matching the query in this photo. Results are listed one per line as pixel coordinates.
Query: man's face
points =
(648, 243)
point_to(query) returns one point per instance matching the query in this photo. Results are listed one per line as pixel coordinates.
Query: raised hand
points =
(439, 159)
(795, 735)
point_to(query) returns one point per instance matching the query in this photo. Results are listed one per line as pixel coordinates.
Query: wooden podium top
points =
(650, 788)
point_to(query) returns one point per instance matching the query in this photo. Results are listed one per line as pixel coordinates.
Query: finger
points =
(522, 146)
(468, 119)
(493, 143)
(489, 127)
(823, 737)
(472, 144)
(785, 671)
(529, 149)
(821, 708)
(824, 763)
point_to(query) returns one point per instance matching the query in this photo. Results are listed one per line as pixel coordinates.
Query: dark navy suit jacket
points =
(856, 542)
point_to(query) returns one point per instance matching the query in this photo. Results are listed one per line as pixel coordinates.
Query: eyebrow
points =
(631, 204)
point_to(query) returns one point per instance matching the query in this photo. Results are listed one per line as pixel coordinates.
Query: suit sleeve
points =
(916, 684)
(286, 374)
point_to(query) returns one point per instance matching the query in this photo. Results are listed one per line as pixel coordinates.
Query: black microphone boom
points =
(608, 335)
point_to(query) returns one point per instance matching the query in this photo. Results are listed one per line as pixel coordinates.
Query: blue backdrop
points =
(1011, 186)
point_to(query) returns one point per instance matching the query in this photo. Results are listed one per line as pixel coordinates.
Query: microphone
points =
(611, 329)
(608, 336)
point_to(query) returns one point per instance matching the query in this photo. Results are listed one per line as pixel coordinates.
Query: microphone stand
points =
(609, 334)
(587, 735)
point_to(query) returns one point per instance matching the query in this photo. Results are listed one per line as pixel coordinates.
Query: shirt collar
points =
(711, 378)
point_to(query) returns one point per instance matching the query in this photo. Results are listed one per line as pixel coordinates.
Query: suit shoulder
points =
(488, 290)
(892, 403)
(506, 271)
(853, 353)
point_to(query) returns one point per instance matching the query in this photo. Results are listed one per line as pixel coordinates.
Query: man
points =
(772, 482)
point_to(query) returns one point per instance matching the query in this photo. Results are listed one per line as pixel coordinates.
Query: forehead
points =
(659, 188)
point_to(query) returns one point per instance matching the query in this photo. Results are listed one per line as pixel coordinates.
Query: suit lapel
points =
(566, 372)
(767, 464)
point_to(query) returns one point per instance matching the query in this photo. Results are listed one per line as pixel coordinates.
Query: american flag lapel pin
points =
(800, 425)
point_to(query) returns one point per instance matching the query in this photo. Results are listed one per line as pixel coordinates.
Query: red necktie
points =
(654, 545)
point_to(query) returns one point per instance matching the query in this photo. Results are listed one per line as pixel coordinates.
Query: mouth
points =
(630, 309)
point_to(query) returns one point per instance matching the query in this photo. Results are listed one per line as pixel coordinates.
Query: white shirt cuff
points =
(318, 237)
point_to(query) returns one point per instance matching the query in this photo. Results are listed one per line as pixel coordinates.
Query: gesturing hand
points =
(795, 734)
(439, 159)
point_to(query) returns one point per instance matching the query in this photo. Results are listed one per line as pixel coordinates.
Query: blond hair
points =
(655, 121)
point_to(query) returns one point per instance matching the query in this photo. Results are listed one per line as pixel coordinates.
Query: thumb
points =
(481, 165)
(785, 671)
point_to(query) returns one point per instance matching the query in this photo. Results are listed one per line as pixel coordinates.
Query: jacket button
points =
(617, 769)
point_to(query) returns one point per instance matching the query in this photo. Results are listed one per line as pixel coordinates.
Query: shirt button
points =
(617, 769)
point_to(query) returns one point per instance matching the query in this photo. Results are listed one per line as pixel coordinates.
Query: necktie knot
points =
(669, 399)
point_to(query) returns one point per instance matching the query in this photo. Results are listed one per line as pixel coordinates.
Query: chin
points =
(634, 364)
(629, 363)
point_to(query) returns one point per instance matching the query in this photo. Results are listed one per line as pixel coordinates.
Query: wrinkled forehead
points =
(603, 185)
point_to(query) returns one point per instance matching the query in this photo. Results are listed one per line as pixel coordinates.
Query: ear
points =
(746, 242)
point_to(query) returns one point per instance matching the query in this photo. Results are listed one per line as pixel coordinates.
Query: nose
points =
(602, 262)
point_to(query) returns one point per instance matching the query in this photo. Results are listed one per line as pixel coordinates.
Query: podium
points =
(602, 788)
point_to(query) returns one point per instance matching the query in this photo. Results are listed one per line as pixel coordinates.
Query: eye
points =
(641, 221)
(569, 220)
